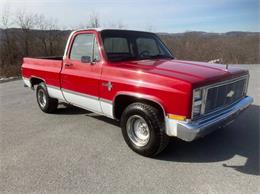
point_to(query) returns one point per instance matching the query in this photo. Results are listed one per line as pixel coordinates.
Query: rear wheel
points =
(45, 102)
(143, 129)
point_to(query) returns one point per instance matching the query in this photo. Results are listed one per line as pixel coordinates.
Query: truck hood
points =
(196, 73)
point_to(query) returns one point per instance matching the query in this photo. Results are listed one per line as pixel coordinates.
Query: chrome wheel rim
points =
(138, 130)
(42, 98)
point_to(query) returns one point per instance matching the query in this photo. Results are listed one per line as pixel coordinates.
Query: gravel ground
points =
(75, 151)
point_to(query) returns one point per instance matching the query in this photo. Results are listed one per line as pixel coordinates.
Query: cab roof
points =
(112, 29)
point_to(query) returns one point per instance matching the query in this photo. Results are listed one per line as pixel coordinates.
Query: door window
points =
(84, 45)
(96, 56)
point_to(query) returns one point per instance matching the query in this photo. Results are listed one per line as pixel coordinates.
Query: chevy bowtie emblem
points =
(108, 85)
(230, 94)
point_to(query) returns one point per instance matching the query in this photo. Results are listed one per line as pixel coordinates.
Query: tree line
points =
(231, 47)
(35, 35)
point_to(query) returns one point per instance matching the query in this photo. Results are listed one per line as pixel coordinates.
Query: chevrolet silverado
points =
(132, 77)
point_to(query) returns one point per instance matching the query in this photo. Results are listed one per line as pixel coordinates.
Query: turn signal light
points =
(176, 117)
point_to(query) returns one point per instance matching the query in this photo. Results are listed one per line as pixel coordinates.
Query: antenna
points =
(226, 66)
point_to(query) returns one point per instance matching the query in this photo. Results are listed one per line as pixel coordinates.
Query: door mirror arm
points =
(93, 61)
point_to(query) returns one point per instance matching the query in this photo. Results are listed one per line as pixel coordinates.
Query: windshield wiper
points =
(123, 58)
(160, 56)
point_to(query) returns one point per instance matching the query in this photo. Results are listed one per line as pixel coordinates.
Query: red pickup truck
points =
(132, 77)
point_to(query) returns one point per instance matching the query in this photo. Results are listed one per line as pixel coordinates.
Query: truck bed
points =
(45, 68)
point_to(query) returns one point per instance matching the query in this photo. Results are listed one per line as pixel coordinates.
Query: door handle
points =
(68, 65)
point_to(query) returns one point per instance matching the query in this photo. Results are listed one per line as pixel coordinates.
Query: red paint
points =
(168, 82)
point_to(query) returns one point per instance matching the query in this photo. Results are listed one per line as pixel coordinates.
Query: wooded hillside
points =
(232, 47)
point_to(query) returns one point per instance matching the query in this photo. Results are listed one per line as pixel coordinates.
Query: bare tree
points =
(118, 25)
(47, 34)
(5, 18)
(150, 28)
(8, 42)
(5, 39)
(94, 20)
(26, 21)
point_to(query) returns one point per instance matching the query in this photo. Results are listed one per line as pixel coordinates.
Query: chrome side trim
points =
(79, 94)
(52, 86)
(106, 100)
(88, 96)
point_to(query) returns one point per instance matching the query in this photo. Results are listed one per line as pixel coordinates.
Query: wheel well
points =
(122, 101)
(35, 81)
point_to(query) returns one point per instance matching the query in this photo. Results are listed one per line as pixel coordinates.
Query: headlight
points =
(198, 94)
(196, 110)
(197, 102)
(246, 85)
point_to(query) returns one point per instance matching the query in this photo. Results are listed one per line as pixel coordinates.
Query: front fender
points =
(143, 97)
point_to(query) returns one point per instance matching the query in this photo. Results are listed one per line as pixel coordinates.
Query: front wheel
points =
(143, 129)
(45, 102)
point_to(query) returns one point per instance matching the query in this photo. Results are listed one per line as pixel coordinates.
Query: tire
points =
(143, 129)
(45, 102)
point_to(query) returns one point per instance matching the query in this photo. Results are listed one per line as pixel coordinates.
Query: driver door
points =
(81, 72)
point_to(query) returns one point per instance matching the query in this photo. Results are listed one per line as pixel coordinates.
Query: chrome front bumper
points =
(191, 130)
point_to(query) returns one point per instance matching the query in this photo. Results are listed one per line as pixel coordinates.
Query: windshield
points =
(122, 45)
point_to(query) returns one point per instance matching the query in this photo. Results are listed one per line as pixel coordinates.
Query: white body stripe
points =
(107, 108)
(55, 92)
(27, 82)
(91, 103)
(88, 103)
(94, 104)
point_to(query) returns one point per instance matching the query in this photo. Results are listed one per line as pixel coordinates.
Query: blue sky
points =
(156, 15)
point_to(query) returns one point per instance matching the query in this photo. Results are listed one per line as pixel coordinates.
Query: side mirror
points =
(85, 59)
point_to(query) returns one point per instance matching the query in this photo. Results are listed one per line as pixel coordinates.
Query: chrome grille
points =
(224, 95)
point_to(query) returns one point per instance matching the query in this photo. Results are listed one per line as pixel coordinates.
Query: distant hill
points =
(232, 47)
